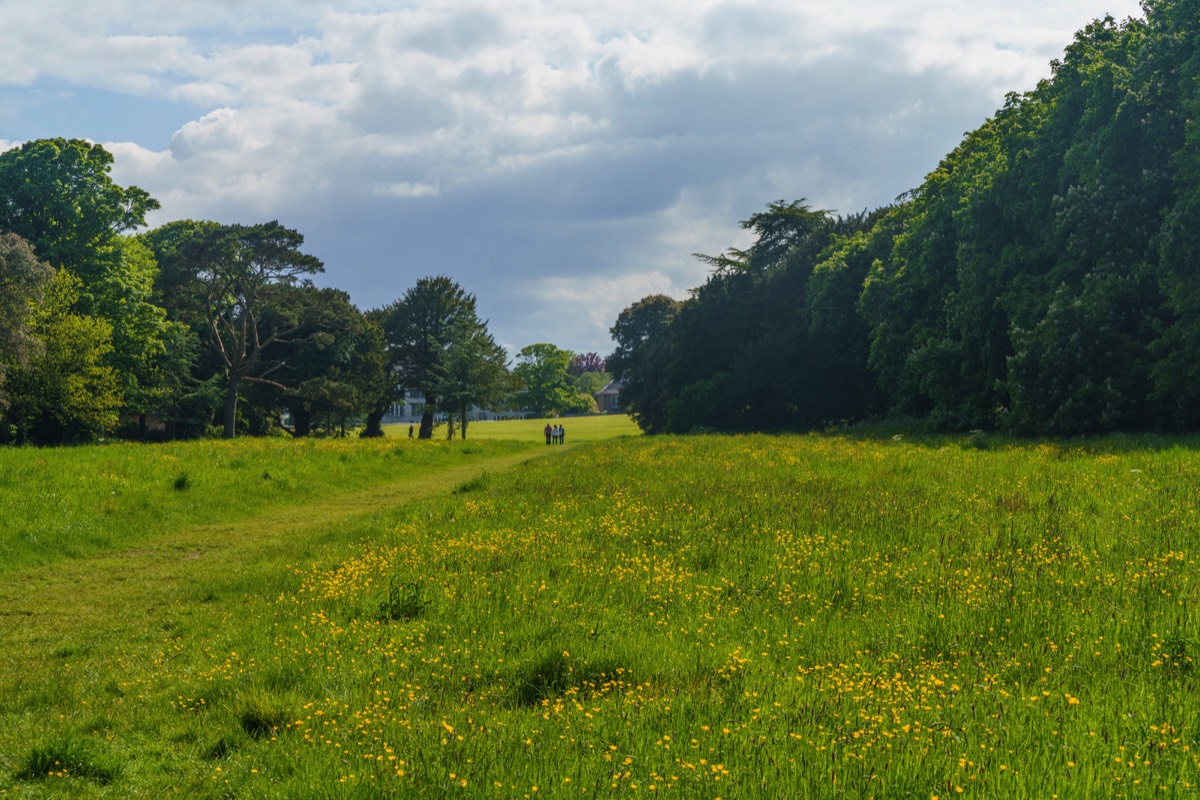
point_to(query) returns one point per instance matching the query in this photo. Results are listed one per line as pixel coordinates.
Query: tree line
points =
(1044, 279)
(209, 328)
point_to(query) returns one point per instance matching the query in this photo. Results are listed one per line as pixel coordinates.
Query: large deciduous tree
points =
(542, 371)
(23, 281)
(642, 359)
(66, 392)
(330, 366)
(58, 195)
(244, 276)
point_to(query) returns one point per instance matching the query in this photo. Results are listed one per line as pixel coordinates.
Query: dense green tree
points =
(192, 389)
(1044, 223)
(328, 366)
(1042, 277)
(1175, 53)
(419, 330)
(245, 276)
(744, 346)
(642, 359)
(1081, 369)
(542, 372)
(474, 372)
(23, 282)
(66, 392)
(380, 393)
(588, 383)
(59, 196)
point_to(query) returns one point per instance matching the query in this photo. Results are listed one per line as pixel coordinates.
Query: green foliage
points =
(589, 382)
(419, 329)
(251, 295)
(57, 195)
(67, 392)
(546, 384)
(327, 368)
(1040, 280)
(23, 281)
(770, 341)
(643, 358)
(473, 371)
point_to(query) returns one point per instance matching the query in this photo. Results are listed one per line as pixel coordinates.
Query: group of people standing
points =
(555, 434)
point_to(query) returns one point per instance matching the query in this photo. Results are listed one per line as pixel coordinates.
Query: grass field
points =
(734, 617)
(73, 502)
(579, 429)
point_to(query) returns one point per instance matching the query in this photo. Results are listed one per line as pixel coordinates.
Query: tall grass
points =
(800, 616)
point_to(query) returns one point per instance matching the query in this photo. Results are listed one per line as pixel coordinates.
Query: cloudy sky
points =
(560, 159)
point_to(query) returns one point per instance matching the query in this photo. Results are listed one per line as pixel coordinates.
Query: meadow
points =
(734, 617)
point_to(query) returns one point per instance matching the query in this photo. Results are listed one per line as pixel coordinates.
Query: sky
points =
(559, 159)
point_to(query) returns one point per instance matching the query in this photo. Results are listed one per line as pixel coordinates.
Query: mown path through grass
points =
(72, 611)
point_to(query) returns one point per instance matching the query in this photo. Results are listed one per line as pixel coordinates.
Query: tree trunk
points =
(464, 421)
(301, 422)
(231, 398)
(374, 427)
(426, 424)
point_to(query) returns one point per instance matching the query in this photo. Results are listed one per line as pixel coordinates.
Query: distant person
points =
(562, 435)
(549, 433)
(410, 430)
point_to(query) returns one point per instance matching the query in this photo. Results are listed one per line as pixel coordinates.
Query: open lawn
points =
(579, 429)
(734, 617)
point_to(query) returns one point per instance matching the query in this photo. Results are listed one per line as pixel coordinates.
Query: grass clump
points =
(69, 756)
(405, 601)
(261, 715)
(554, 674)
(475, 484)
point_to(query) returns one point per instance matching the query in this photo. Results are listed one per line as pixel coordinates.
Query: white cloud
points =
(408, 189)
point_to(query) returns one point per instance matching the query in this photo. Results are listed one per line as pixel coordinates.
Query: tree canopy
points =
(421, 330)
(1040, 280)
(543, 373)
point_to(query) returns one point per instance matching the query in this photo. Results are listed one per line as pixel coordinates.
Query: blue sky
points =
(558, 158)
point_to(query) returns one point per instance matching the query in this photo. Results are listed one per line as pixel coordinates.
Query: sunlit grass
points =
(579, 429)
(73, 502)
(799, 616)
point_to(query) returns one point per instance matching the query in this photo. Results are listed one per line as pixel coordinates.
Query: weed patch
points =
(405, 601)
